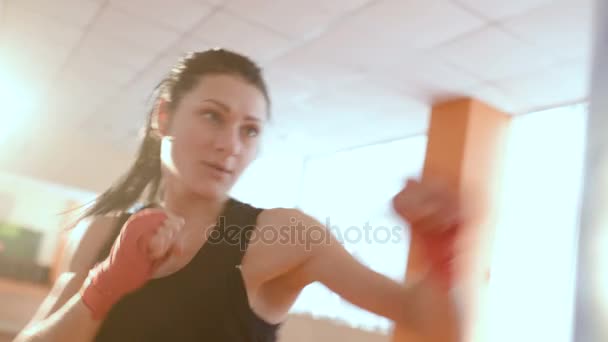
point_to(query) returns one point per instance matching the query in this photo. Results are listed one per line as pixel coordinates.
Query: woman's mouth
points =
(218, 169)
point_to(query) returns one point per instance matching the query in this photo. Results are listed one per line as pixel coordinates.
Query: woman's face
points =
(213, 134)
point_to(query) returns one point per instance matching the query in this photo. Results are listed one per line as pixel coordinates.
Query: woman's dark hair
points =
(145, 173)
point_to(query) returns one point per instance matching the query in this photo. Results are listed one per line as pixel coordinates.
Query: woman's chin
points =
(211, 189)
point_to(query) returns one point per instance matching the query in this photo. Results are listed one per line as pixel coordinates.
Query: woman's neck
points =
(195, 209)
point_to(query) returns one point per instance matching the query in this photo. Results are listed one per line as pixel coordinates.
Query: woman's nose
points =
(228, 141)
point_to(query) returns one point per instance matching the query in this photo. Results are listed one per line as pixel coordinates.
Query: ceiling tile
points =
(500, 9)
(380, 100)
(33, 58)
(562, 28)
(225, 30)
(149, 77)
(425, 92)
(105, 47)
(327, 125)
(80, 65)
(122, 116)
(20, 23)
(277, 15)
(558, 85)
(215, 2)
(492, 54)
(340, 6)
(75, 98)
(185, 46)
(78, 86)
(134, 29)
(285, 88)
(363, 106)
(386, 32)
(427, 71)
(73, 12)
(355, 49)
(178, 15)
(313, 70)
(141, 88)
(400, 22)
(498, 98)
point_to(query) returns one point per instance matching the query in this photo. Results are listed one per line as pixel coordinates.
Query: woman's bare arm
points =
(71, 322)
(62, 316)
(421, 306)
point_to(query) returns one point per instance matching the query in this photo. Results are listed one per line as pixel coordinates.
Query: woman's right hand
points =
(435, 215)
(148, 238)
(436, 316)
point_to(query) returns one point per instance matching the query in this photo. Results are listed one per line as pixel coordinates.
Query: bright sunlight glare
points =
(19, 102)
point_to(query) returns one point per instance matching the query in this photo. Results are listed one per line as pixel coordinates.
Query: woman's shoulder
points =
(283, 215)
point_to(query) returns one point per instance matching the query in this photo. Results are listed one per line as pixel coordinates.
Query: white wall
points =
(73, 159)
(305, 328)
(272, 181)
(531, 289)
(37, 205)
(350, 192)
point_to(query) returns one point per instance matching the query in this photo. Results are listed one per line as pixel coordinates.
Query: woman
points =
(189, 269)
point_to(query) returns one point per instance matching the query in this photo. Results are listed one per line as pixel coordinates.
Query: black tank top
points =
(204, 301)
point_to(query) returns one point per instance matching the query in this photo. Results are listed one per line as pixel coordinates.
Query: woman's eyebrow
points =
(226, 108)
(218, 103)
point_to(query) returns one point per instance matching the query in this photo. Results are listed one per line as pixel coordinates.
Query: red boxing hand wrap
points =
(438, 246)
(127, 268)
(440, 251)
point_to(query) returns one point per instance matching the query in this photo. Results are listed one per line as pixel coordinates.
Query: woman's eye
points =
(210, 115)
(252, 131)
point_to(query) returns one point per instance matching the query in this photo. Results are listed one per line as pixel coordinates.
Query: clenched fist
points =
(147, 239)
(435, 215)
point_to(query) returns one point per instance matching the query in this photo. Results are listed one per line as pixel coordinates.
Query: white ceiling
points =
(342, 73)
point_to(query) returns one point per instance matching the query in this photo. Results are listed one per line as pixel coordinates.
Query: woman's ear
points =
(163, 117)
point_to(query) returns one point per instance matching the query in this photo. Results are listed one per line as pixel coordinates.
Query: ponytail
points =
(145, 173)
